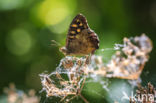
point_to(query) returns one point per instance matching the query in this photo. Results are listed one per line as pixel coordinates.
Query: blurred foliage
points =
(28, 26)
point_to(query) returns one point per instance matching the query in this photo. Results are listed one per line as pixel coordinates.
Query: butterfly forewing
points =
(80, 38)
(78, 24)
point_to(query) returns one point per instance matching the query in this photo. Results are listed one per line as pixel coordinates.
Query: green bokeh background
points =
(28, 26)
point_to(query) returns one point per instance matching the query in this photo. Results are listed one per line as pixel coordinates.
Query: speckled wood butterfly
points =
(81, 40)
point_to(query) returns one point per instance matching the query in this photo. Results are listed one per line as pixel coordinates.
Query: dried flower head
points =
(127, 63)
(17, 96)
(69, 77)
(74, 70)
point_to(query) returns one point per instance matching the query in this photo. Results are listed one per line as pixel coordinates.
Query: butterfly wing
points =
(79, 37)
(78, 24)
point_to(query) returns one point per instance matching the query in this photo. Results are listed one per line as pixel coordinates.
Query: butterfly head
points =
(63, 50)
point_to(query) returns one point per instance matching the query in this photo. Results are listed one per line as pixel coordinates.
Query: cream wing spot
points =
(73, 32)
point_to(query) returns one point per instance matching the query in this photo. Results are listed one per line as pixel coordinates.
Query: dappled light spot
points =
(19, 42)
(11, 4)
(61, 27)
(52, 12)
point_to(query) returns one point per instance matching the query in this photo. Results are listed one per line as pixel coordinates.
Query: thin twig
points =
(84, 99)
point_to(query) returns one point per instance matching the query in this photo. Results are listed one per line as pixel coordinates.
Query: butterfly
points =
(81, 40)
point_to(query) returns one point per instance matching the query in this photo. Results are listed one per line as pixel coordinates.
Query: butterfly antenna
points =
(55, 43)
